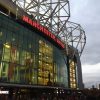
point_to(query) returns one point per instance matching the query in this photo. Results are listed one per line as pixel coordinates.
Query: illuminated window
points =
(4, 71)
(14, 54)
(45, 63)
(6, 52)
(72, 75)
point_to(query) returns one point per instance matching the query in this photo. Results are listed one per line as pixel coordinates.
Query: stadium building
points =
(35, 62)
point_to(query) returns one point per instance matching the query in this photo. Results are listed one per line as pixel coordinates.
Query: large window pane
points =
(6, 52)
(45, 70)
(4, 71)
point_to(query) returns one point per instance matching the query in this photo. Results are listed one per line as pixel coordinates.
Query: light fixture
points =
(7, 45)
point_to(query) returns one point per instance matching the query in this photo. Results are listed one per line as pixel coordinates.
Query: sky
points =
(87, 13)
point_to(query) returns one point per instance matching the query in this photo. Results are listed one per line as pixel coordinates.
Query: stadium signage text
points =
(43, 30)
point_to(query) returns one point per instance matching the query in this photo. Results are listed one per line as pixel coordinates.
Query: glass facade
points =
(28, 58)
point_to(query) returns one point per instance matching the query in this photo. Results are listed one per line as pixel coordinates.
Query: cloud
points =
(91, 74)
(87, 13)
(91, 54)
(91, 68)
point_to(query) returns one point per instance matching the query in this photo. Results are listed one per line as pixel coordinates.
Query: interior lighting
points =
(7, 45)
(13, 39)
(46, 57)
(33, 77)
(46, 45)
(57, 92)
(39, 53)
(40, 41)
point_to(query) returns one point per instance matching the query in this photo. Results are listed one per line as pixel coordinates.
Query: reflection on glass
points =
(17, 65)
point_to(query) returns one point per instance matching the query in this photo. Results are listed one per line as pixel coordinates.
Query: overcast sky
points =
(87, 13)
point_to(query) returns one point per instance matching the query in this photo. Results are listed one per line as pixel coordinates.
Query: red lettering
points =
(41, 28)
(49, 34)
(44, 30)
(25, 18)
(34, 24)
(37, 26)
(53, 36)
(30, 22)
(60, 43)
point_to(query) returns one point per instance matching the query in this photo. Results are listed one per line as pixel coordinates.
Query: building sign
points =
(43, 30)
